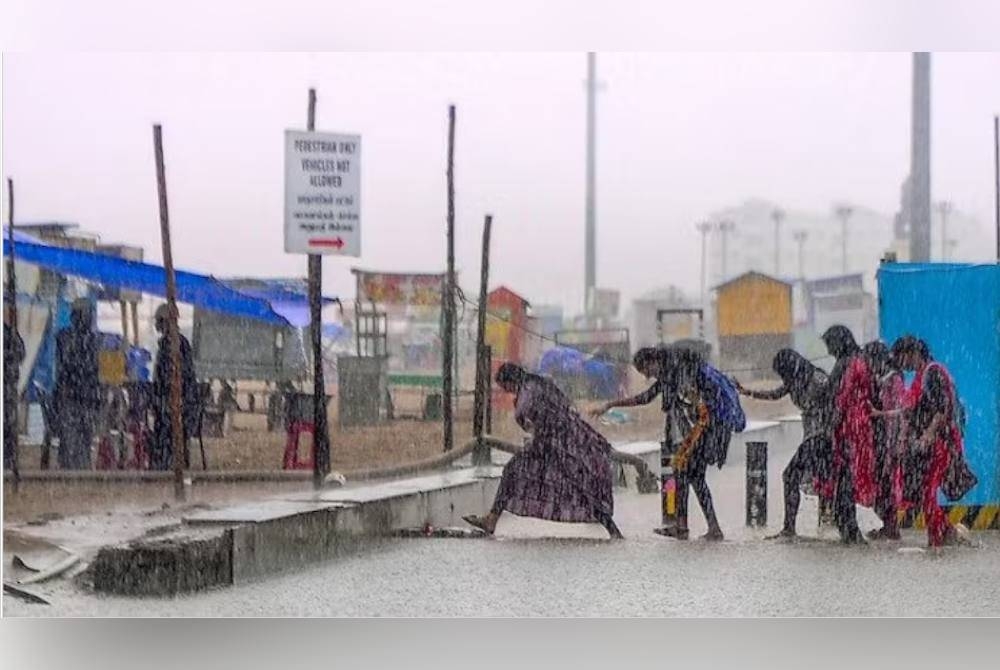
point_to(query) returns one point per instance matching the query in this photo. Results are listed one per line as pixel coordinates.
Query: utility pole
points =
(920, 160)
(777, 216)
(725, 227)
(481, 455)
(177, 446)
(321, 436)
(590, 252)
(944, 209)
(800, 237)
(448, 299)
(705, 227)
(11, 299)
(843, 213)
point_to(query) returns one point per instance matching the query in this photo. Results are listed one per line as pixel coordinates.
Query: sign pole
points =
(177, 446)
(481, 455)
(321, 438)
(448, 299)
(12, 301)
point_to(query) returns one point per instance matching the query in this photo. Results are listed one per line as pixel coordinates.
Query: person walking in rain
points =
(162, 454)
(934, 438)
(887, 427)
(77, 395)
(685, 392)
(564, 473)
(808, 387)
(13, 354)
(853, 468)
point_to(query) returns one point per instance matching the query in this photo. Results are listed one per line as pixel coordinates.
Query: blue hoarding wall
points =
(955, 308)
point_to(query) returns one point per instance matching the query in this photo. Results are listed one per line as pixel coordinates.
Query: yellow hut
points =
(754, 321)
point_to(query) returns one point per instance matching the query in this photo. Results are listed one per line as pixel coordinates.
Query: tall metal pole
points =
(777, 216)
(177, 446)
(704, 228)
(944, 209)
(920, 160)
(321, 435)
(996, 177)
(800, 238)
(11, 299)
(590, 268)
(481, 455)
(448, 297)
(843, 213)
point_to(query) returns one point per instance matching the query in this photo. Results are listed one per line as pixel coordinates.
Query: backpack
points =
(723, 399)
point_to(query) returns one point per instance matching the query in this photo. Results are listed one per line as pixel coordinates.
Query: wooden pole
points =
(321, 436)
(448, 297)
(488, 357)
(12, 301)
(481, 454)
(177, 446)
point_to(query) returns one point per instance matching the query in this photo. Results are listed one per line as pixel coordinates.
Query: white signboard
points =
(322, 193)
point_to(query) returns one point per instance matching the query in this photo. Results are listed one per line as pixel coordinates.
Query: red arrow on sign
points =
(337, 243)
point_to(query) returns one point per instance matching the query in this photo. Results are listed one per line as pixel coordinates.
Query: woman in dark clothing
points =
(564, 472)
(77, 393)
(887, 426)
(704, 440)
(808, 388)
(162, 456)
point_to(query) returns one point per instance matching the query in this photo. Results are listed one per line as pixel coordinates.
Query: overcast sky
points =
(679, 136)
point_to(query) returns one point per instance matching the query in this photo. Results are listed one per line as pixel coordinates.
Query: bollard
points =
(668, 485)
(756, 484)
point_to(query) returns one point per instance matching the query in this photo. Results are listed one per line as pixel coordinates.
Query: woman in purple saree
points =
(564, 473)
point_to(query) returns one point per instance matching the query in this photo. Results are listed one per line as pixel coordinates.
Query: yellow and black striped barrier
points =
(973, 517)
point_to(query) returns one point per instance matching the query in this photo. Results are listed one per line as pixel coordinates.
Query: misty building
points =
(810, 243)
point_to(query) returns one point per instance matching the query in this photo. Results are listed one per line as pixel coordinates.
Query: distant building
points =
(754, 320)
(643, 324)
(749, 242)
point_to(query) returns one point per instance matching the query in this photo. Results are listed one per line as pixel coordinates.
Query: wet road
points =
(540, 569)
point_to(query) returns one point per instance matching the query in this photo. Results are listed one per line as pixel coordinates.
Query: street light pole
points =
(843, 213)
(777, 216)
(704, 228)
(800, 238)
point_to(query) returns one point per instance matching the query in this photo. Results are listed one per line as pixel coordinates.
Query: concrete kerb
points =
(242, 543)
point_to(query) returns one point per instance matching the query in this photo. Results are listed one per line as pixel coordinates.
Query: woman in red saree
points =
(933, 434)
(853, 472)
(888, 423)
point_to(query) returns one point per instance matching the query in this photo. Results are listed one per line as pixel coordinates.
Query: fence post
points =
(756, 485)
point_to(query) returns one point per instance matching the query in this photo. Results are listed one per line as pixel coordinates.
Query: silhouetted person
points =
(77, 394)
(161, 457)
(13, 354)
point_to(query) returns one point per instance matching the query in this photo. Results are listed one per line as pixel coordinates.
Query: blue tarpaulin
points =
(955, 308)
(561, 361)
(274, 305)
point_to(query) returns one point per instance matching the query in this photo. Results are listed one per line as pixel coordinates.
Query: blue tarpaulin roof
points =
(278, 306)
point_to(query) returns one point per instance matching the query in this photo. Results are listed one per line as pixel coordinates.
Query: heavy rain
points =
(567, 334)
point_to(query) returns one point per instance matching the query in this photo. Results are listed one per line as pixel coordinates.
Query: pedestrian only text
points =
(322, 193)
